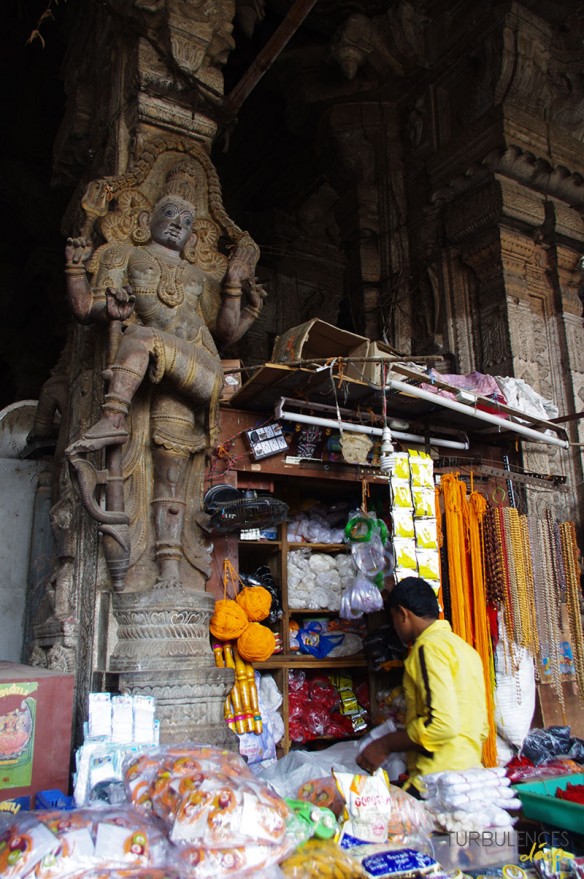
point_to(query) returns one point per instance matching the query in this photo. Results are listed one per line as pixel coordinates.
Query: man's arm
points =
(438, 721)
(377, 752)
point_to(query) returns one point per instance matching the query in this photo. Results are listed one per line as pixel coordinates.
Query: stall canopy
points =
(414, 403)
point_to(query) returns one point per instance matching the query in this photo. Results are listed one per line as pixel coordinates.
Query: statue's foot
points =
(168, 583)
(101, 434)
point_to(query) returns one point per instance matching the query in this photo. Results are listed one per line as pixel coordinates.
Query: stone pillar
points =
(363, 165)
(163, 651)
(142, 77)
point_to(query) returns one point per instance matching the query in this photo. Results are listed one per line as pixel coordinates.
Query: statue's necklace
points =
(170, 288)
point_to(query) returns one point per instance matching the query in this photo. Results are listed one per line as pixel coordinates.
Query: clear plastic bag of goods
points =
(321, 858)
(377, 811)
(54, 844)
(221, 819)
(361, 597)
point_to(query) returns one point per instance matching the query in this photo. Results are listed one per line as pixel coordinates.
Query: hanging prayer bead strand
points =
(572, 571)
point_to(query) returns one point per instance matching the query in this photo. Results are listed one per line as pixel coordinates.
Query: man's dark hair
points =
(415, 595)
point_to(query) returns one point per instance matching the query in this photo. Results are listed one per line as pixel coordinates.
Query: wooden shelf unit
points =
(285, 481)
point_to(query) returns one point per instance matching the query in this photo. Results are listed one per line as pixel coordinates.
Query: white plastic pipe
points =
(280, 412)
(502, 423)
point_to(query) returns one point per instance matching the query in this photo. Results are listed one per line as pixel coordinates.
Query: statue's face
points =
(172, 222)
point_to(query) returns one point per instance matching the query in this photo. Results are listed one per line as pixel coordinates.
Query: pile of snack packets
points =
(195, 811)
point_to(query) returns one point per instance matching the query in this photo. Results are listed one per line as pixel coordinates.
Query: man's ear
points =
(401, 613)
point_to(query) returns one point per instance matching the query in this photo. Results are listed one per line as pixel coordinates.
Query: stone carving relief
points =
(567, 77)
(165, 292)
(384, 44)
(166, 54)
(249, 13)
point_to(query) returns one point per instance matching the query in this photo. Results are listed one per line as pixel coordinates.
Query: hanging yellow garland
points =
(454, 494)
(477, 507)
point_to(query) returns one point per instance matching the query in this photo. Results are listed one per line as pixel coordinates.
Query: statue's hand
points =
(256, 295)
(78, 251)
(120, 303)
(242, 261)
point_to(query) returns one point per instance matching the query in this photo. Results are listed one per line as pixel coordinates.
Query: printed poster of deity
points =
(17, 731)
(566, 660)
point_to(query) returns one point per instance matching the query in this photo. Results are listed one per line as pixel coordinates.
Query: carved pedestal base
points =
(54, 645)
(163, 651)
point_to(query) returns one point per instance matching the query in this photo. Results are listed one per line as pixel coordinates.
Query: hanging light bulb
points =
(387, 456)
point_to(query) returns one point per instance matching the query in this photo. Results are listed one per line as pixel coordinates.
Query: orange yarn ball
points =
(255, 601)
(229, 620)
(256, 643)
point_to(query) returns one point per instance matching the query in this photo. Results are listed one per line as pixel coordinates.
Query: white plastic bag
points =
(514, 693)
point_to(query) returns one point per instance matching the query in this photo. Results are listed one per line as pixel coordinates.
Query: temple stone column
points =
(163, 651)
(495, 214)
(142, 76)
(362, 162)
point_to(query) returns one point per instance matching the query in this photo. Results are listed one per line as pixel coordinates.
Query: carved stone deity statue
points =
(170, 296)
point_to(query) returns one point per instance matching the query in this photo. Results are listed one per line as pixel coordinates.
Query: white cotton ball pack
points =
(318, 525)
(317, 580)
(475, 799)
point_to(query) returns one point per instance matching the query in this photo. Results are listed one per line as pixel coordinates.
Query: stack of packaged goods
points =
(413, 512)
(325, 705)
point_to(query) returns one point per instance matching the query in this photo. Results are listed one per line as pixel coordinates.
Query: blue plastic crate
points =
(53, 799)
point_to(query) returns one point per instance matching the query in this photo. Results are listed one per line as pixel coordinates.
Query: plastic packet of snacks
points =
(208, 862)
(368, 805)
(426, 534)
(318, 858)
(428, 564)
(403, 522)
(208, 797)
(56, 844)
(405, 553)
(401, 493)
(421, 469)
(133, 873)
(401, 466)
(424, 502)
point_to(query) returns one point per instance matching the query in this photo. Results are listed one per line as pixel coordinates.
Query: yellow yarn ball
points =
(229, 620)
(256, 643)
(255, 601)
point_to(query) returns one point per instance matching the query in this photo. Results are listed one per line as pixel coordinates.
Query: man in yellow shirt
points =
(446, 711)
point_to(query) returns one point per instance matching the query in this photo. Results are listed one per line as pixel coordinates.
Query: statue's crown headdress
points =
(181, 180)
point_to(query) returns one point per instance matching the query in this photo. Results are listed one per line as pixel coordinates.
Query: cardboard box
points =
(36, 709)
(231, 380)
(317, 339)
(369, 371)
